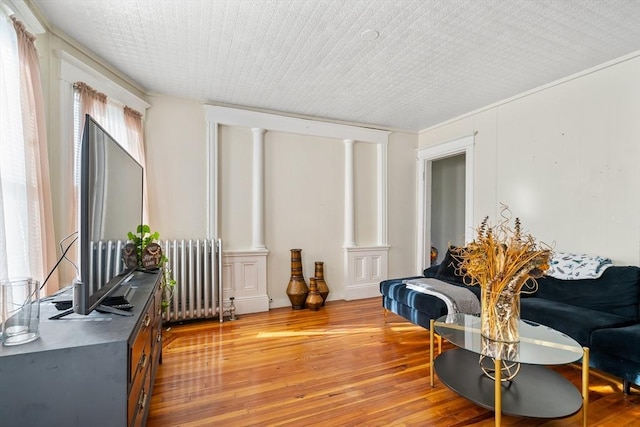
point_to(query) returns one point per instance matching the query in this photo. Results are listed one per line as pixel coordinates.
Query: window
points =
(123, 124)
(26, 221)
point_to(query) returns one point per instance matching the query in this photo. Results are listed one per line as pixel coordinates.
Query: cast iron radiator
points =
(196, 266)
(105, 261)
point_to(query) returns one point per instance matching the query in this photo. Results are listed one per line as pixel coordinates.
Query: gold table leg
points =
(431, 350)
(585, 385)
(498, 391)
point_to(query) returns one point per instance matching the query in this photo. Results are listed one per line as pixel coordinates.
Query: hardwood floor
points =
(340, 366)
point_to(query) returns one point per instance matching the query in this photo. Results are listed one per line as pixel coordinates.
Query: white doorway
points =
(447, 203)
(439, 207)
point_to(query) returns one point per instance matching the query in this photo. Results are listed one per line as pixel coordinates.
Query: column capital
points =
(258, 131)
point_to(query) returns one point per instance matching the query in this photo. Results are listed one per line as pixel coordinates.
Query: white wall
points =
(235, 189)
(176, 154)
(365, 172)
(401, 197)
(565, 158)
(304, 208)
(304, 192)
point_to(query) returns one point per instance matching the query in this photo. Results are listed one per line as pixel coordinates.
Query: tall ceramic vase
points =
(500, 316)
(323, 289)
(314, 300)
(297, 289)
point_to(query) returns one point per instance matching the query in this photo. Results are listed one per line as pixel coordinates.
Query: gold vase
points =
(323, 288)
(500, 316)
(314, 300)
(297, 288)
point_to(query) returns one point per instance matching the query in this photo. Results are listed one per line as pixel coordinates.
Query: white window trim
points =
(23, 14)
(72, 70)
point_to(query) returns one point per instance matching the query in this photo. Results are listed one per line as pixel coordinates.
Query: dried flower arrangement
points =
(501, 260)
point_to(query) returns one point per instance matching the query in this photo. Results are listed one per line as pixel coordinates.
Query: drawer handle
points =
(159, 337)
(147, 320)
(143, 400)
(143, 361)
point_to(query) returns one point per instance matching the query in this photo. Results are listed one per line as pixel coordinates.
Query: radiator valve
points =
(231, 310)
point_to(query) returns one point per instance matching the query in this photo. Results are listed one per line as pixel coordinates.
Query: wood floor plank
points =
(343, 365)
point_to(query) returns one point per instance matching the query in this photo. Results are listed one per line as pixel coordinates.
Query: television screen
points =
(110, 201)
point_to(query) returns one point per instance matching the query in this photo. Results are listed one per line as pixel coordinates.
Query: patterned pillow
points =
(568, 266)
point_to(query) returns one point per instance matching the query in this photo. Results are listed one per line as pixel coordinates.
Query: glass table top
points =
(539, 344)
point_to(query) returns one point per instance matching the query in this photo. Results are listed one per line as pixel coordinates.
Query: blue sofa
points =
(602, 314)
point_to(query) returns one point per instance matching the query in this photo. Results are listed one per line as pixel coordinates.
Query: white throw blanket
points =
(457, 298)
(567, 266)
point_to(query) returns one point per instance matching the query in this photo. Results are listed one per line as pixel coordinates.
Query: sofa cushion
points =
(576, 322)
(429, 305)
(624, 342)
(448, 269)
(617, 291)
(449, 265)
(431, 271)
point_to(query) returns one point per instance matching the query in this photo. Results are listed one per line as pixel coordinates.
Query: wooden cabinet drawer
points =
(157, 320)
(139, 401)
(141, 343)
(144, 350)
(140, 368)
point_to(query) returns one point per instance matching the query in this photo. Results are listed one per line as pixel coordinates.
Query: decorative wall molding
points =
(381, 187)
(244, 277)
(213, 188)
(274, 122)
(349, 191)
(258, 189)
(365, 268)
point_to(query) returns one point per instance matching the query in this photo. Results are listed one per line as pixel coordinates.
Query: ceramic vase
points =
(314, 300)
(323, 289)
(297, 288)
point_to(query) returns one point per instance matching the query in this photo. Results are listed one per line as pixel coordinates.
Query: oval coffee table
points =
(510, 378)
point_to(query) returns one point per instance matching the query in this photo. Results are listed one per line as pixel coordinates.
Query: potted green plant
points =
(143, 240)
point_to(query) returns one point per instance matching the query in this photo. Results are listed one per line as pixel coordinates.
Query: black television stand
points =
(100, 372)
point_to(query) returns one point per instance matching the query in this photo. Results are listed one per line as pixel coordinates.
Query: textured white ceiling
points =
(434, 60)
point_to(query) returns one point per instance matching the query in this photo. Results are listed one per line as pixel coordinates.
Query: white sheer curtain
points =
(26, 219)
(122, 123)
(13, 195)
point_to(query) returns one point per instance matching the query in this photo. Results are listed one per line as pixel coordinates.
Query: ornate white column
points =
(258, 189)
(213, 178)
(382, 194)
(349, 202)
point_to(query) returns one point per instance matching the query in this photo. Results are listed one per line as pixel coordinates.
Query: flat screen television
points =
(110, 205)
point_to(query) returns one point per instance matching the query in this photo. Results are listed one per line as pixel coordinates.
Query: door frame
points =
(425, 157)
